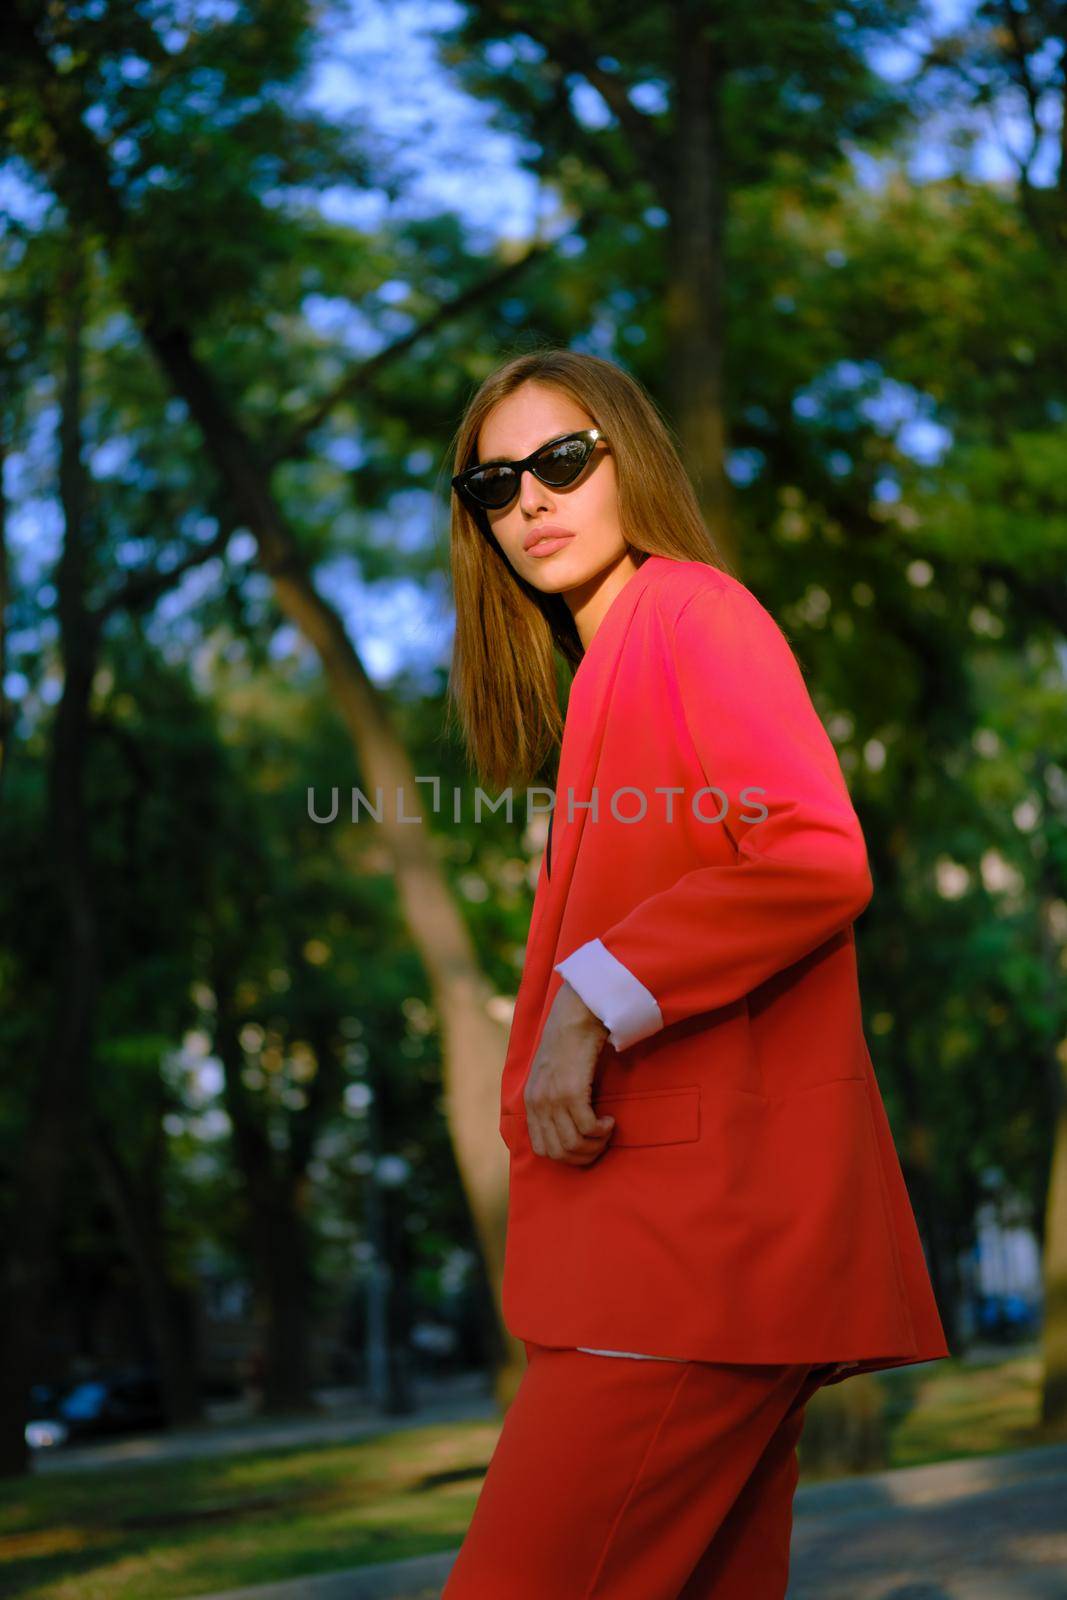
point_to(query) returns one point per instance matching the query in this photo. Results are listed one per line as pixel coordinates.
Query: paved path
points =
(989, 1528)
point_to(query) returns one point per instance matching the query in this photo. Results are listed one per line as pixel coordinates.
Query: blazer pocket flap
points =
(652, 1116)
(642, 1116)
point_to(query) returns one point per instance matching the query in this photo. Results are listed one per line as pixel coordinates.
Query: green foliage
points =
(893, 351)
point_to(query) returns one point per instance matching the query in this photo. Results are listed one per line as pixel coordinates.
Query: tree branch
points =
(359, 378)
(576, 54)
(142, 589)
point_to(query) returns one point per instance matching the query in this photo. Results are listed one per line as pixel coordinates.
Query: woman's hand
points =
(559, 1089)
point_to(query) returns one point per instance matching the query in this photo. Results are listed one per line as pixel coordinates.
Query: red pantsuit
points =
(638, 1480)
(748, 1217)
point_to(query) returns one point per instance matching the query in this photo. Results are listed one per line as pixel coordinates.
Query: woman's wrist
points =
(577, 1014)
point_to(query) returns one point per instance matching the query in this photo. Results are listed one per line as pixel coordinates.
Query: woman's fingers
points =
(580, 1134)
(558, 1133)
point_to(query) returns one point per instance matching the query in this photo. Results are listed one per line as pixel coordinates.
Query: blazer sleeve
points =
(800, 874)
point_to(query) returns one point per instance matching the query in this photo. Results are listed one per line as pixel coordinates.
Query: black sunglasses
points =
(556, 463)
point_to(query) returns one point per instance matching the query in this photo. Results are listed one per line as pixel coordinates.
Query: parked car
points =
(46, 1428)
(125, 1402)
(1007, 1317)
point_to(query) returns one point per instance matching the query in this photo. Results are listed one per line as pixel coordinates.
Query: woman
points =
(707, 1218)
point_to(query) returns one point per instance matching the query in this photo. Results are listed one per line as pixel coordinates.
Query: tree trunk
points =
(696, 297)
(136, 1210)
(1054, 1326)
(276, 1238)
(282, 1260)
(57, 1080)
(6, 715)
(917, 1162)
(58, 1098)
(1054, 1330)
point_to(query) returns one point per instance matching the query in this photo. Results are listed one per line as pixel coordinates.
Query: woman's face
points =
(586, 509)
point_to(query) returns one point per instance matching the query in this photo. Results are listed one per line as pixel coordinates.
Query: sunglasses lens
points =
(562, 461)
(492, 486)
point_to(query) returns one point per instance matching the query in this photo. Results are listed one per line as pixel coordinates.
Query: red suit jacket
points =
(704, 868)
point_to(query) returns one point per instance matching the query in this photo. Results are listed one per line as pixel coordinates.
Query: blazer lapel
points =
(587, 710)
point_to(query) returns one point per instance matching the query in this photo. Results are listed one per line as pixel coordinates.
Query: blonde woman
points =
(707, 1218)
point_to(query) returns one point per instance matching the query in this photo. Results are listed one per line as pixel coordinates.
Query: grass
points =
(173, 1530)
(948, 1410)
(184, 1528)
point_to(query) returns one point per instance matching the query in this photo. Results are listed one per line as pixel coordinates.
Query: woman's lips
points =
(550, 543)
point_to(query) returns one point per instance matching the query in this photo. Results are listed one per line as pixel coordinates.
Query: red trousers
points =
(623, 1479)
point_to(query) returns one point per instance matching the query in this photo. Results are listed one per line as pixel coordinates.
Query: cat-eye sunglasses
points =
(491, 485)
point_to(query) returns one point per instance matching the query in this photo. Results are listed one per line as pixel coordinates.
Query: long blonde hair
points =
(502, 685)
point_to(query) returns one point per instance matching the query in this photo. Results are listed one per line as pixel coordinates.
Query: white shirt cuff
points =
(612, 993)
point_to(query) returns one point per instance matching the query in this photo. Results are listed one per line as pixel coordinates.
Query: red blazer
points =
(749, 1206)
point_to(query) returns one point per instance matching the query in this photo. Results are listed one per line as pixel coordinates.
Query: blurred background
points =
(255, 258)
